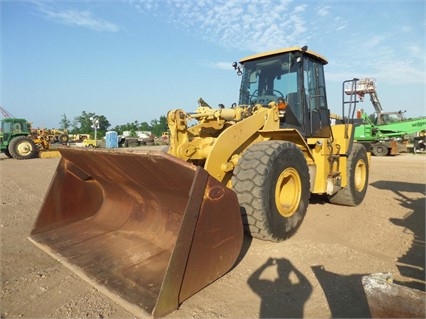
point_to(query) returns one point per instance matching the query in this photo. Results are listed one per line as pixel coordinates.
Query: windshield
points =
(388, 118)
(266, 80)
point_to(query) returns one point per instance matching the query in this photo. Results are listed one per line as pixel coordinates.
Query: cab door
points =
(318, 117)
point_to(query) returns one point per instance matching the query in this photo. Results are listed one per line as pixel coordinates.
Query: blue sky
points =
(133, 60)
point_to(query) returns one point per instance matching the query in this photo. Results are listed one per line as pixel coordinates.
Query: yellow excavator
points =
(152, 228)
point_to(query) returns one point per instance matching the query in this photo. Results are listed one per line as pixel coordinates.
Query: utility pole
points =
(95, 125)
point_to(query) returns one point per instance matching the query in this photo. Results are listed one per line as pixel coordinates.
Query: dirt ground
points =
(315, 274)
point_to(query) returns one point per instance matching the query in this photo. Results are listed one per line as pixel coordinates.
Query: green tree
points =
(159, 126)
(144, 126)
(84, 124)
(132, 127)
(156, 127)
(64, 123)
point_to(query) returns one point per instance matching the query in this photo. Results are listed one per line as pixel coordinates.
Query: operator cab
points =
(294, 76)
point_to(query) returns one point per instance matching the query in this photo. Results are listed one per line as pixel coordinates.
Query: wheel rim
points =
(380, 150)
(360, 175)
(24, 148)
(288, 192)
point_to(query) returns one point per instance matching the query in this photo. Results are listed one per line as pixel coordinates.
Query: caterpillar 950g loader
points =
(152, 228)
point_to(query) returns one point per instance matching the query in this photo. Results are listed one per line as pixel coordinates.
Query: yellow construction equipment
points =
(49, 153)
(152, 228)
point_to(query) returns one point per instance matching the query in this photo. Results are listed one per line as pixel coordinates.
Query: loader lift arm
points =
(220, 135)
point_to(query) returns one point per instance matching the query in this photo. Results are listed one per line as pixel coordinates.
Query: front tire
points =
(22, 147)
(271, 181)
(357, 175)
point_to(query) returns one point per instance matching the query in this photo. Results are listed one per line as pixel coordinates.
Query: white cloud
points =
(406, 29)
(323, 11)
(219, 65)
(79, 18)
(340, 23)
(261, 25)
(146, 5)
(243, 24)
(299, 8)
(377, 58)
(372, 41)
(415, 50)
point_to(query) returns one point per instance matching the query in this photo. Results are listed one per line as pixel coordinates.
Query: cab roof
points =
(281, 51)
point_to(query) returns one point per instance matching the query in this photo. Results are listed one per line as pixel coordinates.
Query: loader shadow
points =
(317, 199)
(412, 263)
(247, 240)
(345, 294)
(285, 295)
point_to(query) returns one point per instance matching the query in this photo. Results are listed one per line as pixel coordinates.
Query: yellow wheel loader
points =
(152, 228)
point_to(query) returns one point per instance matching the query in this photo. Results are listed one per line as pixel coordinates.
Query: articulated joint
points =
(229, 166)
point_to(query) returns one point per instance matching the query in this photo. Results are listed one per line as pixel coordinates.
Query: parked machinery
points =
(54, 135)
(16, 140)
(19, 141)
(388, 132)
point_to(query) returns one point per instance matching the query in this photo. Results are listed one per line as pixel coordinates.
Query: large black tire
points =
(380, 149)
(419, 144)
(63, 138)
(22, 147)
(271, 181)
(357, 173)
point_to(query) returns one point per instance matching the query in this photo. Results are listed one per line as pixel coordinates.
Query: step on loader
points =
(150, 229)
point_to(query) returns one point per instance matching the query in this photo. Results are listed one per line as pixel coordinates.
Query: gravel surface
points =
(315, 274)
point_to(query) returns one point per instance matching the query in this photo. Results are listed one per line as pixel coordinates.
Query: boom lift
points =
(152, 228)
(389, 132)
(366, 86)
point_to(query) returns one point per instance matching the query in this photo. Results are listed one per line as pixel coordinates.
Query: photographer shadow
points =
(283, 296)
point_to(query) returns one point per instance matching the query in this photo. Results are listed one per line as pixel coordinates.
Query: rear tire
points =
(22, 147)
(271, 181)
(380, 150)
(63, 138)
(357, 173)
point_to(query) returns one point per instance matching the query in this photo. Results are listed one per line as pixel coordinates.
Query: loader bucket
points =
(145, 228)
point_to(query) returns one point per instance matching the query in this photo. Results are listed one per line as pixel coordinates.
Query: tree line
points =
(84, 124)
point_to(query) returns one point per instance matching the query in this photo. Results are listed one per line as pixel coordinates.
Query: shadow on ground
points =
(412, 263)
(345, 294)
(283, 296)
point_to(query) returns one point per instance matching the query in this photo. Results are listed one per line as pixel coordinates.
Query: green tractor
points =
(15, 139)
